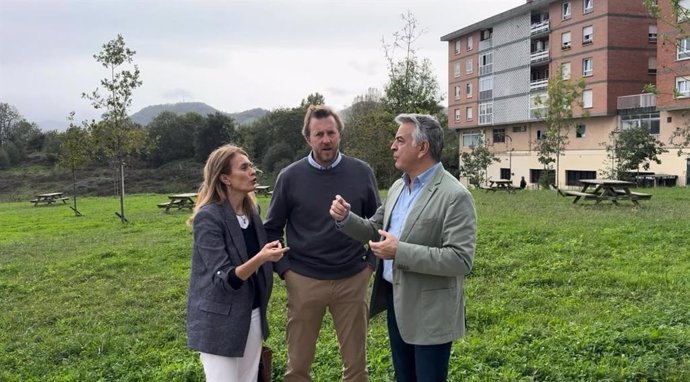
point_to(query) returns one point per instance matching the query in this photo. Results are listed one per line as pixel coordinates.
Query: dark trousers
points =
(415, 363)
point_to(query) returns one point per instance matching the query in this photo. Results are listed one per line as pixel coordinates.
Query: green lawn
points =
(559, 292)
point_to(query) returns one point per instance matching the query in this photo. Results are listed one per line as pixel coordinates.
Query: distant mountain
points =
(147, 114)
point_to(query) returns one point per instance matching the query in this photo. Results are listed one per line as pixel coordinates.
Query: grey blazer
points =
(218, 316)
(435, 253)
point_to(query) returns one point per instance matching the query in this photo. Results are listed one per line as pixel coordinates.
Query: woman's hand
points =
(272, 251)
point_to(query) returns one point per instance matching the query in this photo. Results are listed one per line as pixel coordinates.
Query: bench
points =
(579, 193)
(263, 191)
(48, 200)
(636, 195)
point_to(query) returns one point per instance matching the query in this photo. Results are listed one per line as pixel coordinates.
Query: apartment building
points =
(500, 66)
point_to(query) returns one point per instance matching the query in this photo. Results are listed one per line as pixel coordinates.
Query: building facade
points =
(500, 66)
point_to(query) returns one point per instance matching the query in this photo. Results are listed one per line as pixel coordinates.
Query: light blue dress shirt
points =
(316, 164)
(403, 206)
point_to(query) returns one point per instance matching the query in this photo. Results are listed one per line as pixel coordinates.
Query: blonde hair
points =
(212, 190)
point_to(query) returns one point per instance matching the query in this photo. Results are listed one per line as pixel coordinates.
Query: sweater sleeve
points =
(276, 218)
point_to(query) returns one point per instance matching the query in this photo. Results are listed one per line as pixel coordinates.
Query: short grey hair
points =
(427, 129)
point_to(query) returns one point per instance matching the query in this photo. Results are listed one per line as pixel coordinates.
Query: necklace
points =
(244, 222)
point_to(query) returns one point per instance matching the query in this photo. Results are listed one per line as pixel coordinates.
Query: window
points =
(468, 66)
(566, 10)
(580, 130)
(587, 35)
(565, 70)
(457, 47)
(457, 115)
(519, 129)
(652, 34)
(468, 90)
(683, 49)
(456, 70)
(572, 177)
(651, 65)
(505, 173)
(457, 92)
(540, 135)
(649, 121)
(535, 175)
(587, 67)
(587, 99)
(588, 6)
(486, 113)
(565, 40)
(468, 113)
(486, 63)
(682, 87)
(499, 135)
(471, 139)
(486, 87)
(469, 43)
(683, 13)
(537, 105)
(486, 34)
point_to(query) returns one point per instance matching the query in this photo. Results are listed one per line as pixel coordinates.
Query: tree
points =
(313, 99)
(74, 154)
(368, 133)
(473, 163)
(557, 114)
(116, 136)
(174, 139)
(8, 117)
(218, 130)
(631, 149)
(411, 88)
(21, 138)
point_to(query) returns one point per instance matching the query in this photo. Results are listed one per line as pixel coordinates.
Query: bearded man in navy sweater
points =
(324, 269)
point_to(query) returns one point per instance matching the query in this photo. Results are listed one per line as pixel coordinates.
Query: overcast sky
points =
(233, 55)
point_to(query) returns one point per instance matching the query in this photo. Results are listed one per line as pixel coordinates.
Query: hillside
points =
(147, 114)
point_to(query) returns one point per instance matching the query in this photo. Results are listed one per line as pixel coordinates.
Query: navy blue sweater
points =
(301, 200)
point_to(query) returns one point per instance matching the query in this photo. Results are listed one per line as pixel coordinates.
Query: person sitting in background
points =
(523, 183)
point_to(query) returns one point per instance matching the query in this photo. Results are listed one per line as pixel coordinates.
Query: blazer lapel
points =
(392, 197)
(261, 236)
(235, 232)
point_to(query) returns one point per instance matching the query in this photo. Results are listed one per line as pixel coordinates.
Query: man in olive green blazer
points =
(424, 236)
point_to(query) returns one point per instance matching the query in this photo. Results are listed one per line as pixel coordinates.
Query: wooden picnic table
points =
(179, 201)
(607, 189)
(49, 198)
(501, 185)
(262, 190)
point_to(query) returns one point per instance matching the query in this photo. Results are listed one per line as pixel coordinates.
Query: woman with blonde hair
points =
(231, 274)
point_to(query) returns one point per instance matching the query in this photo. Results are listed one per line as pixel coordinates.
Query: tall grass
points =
(559, 292)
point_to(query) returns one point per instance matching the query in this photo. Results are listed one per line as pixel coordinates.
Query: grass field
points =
(559, 292)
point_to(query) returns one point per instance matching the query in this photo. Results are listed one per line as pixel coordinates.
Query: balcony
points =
(539, 56)
(486, 69)
(486, 119)
(486, 44)
(539, 28)
(538, 113)
(486, 94)
(646, 101)
(538, 84)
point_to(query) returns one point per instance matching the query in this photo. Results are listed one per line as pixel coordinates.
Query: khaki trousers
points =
(346, 300)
